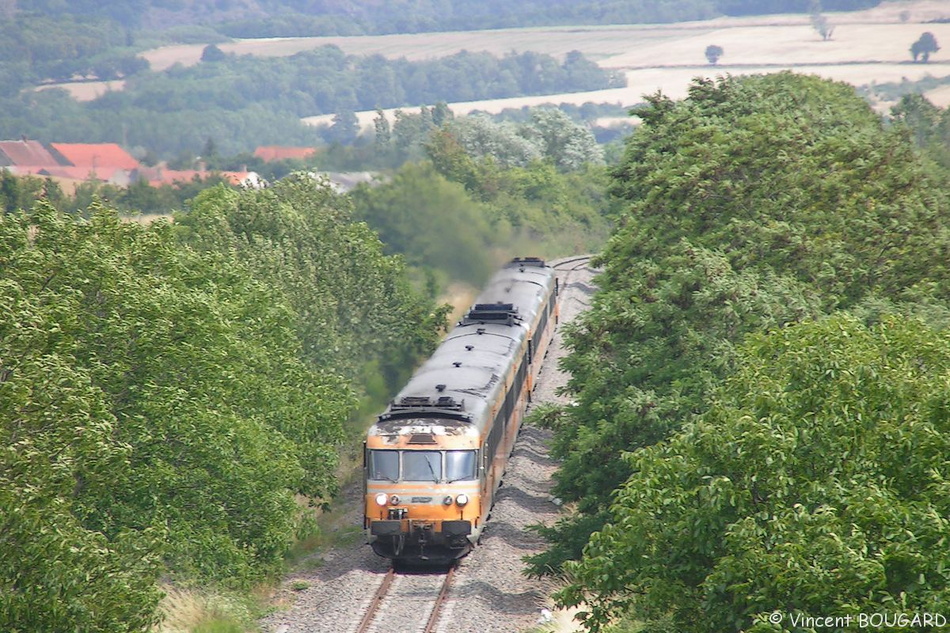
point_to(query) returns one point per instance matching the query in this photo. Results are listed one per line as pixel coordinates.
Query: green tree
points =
(59, 457)
(745, 208)
(568, 145)
(430, 221)
(345, 128)
(813, 485)
(480, 137)
(299, 236)
(920, 116)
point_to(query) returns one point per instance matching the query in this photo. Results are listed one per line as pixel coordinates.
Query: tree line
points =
(242, 102)
(286, 18)
(167, 391)
(759, 421)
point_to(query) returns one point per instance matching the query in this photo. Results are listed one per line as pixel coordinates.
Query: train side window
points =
(459, 465)
(384, 465)
(422, 465)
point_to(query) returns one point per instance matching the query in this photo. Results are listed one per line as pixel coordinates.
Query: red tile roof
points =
(78, 173)
(158, 176)
(269, 153)
(96, 156)
(26, 153)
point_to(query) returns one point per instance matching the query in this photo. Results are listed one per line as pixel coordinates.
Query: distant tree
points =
(104, 67)
(410, 132)
(383, 130)
(568, 145)
(924, 46)
(441, 114)
(212, 53)
(819, 22)
(345, 128)
(132, 64)
(481, 137)
(920, 116)
(713, 53)
(442, 227)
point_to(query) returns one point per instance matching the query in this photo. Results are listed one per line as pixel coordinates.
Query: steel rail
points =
(439, 601)
(377, 600)
(372, 610)
(571, 260)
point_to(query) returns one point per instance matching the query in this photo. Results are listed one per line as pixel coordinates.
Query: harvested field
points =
(866, 47)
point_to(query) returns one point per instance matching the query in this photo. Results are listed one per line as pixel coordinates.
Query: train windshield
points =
(459, 465)
(422, 465)
(384, 465)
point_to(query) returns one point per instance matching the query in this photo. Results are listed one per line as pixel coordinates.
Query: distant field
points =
(866, 47)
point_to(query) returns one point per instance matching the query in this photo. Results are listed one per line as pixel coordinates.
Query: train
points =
(435, 457)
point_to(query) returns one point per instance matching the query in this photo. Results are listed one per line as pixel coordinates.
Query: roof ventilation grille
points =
(408, 403)
(505, 313)
(527, 261)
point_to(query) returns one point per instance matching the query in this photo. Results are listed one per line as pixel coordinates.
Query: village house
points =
(74, 163)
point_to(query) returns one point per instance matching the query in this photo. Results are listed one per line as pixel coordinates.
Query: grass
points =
(206, 611)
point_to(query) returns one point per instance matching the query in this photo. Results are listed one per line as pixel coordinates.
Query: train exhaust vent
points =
(527, 261)
(444, 403)
(422, 438)
(492, 313)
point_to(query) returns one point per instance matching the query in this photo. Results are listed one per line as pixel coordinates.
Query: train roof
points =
(461, 378)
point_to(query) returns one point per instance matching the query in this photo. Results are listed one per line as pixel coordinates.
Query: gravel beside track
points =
(490, 591)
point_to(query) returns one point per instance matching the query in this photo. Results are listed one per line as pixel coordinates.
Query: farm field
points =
(866, 47)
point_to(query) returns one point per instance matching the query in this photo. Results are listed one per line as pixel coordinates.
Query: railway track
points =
(572, 263)
(576, 283)
(414, 600)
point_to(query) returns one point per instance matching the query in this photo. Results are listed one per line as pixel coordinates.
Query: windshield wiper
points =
(435, 478)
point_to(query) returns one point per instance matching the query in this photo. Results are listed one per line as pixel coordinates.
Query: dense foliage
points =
(488, 191)
(814, 485)
(166, 392)
(353, 303)
(753, 204)
(37, 48)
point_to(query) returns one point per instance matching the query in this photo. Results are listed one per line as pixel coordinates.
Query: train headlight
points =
(462, 499)
(447, 501)
(382, 499)
(394, 500)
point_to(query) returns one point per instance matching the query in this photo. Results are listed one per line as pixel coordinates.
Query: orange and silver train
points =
(435, 458)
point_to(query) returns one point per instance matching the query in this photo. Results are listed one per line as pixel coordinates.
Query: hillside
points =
(867, 47)
(299, 17)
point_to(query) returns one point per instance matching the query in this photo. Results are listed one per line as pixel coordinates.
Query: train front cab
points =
(423, 501)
